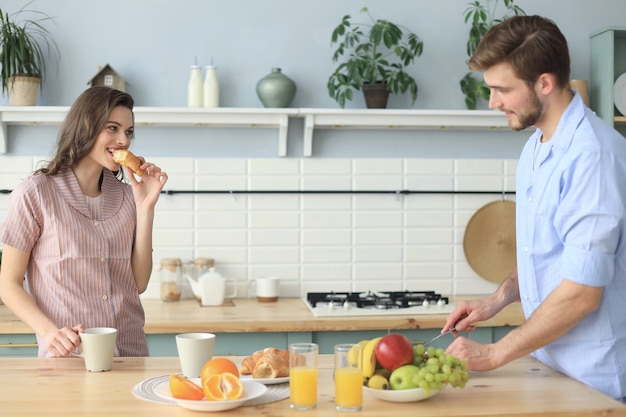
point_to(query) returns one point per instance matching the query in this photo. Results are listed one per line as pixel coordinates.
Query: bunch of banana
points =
(373, 376)
(369, 358)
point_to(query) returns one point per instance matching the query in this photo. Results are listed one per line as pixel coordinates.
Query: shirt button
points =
(525, 248)
(104, 297)
(530, 199)
(95, 222)
(102, 259)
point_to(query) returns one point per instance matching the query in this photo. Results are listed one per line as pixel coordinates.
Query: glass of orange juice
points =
(348, 377)
(303, 375)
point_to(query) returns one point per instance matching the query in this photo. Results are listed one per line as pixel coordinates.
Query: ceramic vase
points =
(276, 89)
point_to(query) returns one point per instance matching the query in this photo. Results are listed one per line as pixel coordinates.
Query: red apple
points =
(393, 351)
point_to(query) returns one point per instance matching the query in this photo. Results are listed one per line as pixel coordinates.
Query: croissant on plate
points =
(267, 363)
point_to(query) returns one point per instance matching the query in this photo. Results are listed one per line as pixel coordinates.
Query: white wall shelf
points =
(397, 119)
(273, 118)
(161, 116)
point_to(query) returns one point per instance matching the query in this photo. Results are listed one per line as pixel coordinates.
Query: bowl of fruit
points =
(394, 370)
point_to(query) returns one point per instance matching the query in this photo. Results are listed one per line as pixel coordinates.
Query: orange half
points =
(224, 386)
(185, 389)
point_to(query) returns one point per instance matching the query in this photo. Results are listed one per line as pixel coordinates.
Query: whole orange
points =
(218, 366)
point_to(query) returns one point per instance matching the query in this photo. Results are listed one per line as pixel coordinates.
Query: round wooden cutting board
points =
(489, 241)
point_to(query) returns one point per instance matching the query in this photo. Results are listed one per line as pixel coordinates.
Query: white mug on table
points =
(266, 288)
(194, 350)
(98, 348)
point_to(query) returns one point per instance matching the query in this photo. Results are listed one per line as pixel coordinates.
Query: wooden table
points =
(63, 388)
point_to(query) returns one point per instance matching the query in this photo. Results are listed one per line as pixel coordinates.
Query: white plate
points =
(266, 381)
(619, 94)
(251, 390)
(400, 396)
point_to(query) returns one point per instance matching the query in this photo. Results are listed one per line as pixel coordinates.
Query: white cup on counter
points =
(266, 289)
(98, 348)
(194, 350)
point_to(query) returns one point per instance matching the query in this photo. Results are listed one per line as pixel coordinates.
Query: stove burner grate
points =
(378, 300)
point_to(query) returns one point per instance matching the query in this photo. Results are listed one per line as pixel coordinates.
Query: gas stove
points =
(379, 303)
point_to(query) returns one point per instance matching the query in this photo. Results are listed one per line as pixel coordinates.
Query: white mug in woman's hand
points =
(266, 288)
(98, 348)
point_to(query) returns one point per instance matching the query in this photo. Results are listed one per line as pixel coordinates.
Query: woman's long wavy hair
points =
(82, 125)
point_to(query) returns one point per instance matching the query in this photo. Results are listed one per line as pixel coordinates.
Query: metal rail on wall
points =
(396, 192)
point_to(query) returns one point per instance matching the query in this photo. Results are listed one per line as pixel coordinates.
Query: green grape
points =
(436, 369)
(432, 361)
(453, 378)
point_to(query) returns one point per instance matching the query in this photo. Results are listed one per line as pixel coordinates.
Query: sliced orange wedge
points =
(224, 386)
(185, 389)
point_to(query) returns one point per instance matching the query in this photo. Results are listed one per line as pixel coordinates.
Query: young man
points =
(571, 217)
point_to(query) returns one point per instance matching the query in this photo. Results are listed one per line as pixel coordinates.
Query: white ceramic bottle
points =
(211, 91)
(194, 88)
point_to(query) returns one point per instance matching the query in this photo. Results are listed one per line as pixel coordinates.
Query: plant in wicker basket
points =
(24, 45)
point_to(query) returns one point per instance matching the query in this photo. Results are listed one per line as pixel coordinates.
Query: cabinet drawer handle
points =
(18, 345)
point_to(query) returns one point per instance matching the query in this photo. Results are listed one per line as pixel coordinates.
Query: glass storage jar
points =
(171, 278)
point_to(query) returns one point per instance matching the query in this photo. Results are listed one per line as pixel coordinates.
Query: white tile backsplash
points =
(378, 167)
(323, 166)
(429, 167)
(317, 241)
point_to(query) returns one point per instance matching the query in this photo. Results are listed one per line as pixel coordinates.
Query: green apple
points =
(402, 377)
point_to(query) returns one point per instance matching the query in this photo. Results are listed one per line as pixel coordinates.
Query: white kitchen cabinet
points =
(345, 119)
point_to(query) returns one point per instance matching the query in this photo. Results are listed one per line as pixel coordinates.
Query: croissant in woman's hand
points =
(128, 159)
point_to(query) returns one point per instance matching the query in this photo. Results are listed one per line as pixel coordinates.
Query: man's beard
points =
(530, 118)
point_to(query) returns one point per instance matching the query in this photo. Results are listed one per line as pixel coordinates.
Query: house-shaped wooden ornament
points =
(108, 77)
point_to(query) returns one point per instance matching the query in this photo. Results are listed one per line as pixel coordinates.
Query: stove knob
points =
(331, 305)
(441, 303)
(346, 305)
(425, 304)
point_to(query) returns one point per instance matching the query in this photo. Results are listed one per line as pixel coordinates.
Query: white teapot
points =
(210, 288)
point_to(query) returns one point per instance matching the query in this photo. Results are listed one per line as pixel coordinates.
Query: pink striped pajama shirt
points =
(80, 265)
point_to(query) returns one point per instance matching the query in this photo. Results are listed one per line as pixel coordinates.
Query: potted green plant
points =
(377, 54)
(482, 19)
(22, 58)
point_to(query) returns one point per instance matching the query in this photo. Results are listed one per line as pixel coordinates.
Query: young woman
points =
(80, 236)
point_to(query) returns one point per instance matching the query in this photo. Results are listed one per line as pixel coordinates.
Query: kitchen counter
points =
(285, 315)
(62, 387)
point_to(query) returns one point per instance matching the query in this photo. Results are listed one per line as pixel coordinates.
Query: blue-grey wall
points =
(153, 42)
